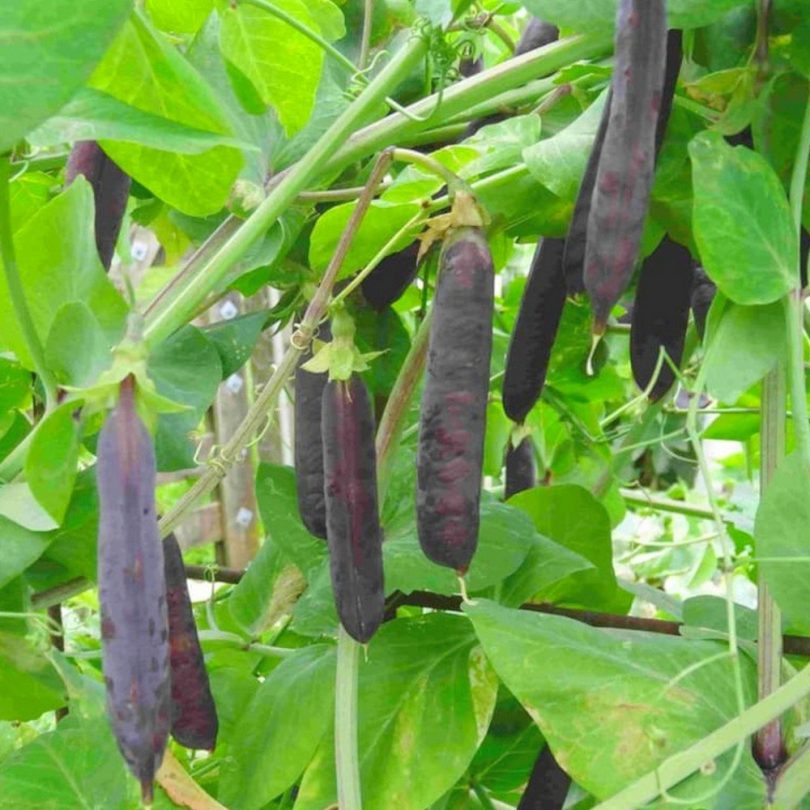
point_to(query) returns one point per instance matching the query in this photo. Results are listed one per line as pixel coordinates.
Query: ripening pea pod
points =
(110, 192)
(193, 712)
(701, 297)
(521, 472)
(391, 277)
(454, 401)
(624, 175)
(308, 442)
(536, 327)
(352, 517)
(132, 591)
(661, 316)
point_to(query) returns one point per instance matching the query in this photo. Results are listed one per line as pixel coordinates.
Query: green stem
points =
(451, 179)
(481, 794)
(365, 40)
(632, 496)
(16, 293)
(768, 746)
(793, 782)
(178, 307)
(347, 761)
(681, 765)
(392, 420)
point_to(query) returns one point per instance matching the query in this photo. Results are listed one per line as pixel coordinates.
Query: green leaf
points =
(29, 685)
(19, 547)
(601, 14)
(747, 344)
(559, 162)
(141, 69)
(278, 505)
(76, 766)
(742, 222)
(275, 57)
(426, 699)
(280, 729)
(780, 531)
(58, 263)
(381, 222)
(608, 704)
(711, 612)
(502, 145)
(77, 350)
(15, 385)
(19, 505)
(185, 368)
(234, 339)
(504, 539)
(571, 516)
(179, 16)
(49, 50)
(93, 116)
(382, 331)
(50, 466)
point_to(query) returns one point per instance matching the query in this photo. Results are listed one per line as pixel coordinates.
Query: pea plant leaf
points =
(49, 50)
(141, 69)
(780, 532)
(427, 699)
(614, 705)
(741, 221)
(273, 55)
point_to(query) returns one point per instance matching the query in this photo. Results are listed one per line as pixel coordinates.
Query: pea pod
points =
(391, 277)
(534, 331)
(194, 714)
(132, 591)
(625, 172)
(661, 315)
(548, 784)
(308, 442)
(520, 470)
(352, 520)
(454, 400)
(701, 297)
(110, 192)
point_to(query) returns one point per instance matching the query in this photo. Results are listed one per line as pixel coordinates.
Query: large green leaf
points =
(559, 162)
(92, 115)
(280, 729)
(275, 57)
(184, 16)
(50, 466)
(29, 685)
(780, 531)
(77, 350)
(504, 539)
(571, 516)
(742, 222)
(49, 49)
(278, 505)
(380, 223)
(19, 547)
(15, 384)
(76, 767)
(58, 263)
(609, 704)
(746, 345)
(141, 69)
(185, 368)
(600, 14)
(426, 696)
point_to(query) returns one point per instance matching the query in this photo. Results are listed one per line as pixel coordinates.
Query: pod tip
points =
(598, 331)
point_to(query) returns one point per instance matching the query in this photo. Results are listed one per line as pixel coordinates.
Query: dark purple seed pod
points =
(671, 73)
(391, 277)
(194, 715)
(548, 784)
(352, 519)
(536, 34)
(308, 442)
(520, 470)
(624, 176)
(132, 592)
(702, 295)
(661, 315)
(110, 192)
(574, 252)
(535, 329)
(470, 67)
(454, 401)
